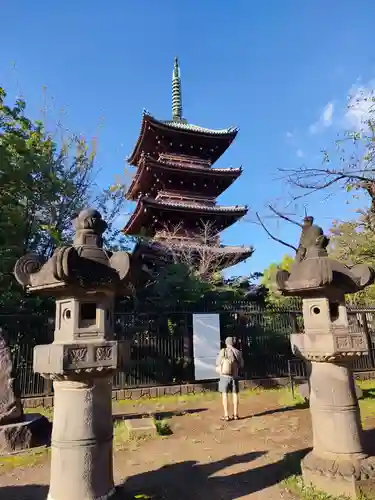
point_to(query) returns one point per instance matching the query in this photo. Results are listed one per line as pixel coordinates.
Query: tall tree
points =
(43, 184)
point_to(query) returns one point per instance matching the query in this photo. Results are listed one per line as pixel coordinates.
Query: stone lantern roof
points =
(315, 273)
(84, 264)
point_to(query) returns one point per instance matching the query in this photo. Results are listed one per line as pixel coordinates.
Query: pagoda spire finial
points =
(176, 92)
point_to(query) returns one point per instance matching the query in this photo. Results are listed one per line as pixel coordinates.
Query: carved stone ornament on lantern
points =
(339, 464)
(84, 278)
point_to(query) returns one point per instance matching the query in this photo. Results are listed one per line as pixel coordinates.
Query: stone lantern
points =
(81, 360)
(338, 463)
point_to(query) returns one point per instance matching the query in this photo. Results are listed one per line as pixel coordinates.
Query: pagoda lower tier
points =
(152, 216)
(153, 253)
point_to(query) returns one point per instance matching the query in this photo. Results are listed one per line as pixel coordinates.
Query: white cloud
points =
(351, 115)
(328, 114)
(325, 119)
(300, 153)
(361, 103)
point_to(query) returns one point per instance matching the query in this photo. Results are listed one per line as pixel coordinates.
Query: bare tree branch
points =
(352, 164)
(283, 216)
(274, 237)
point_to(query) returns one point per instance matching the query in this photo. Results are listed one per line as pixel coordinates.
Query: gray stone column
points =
(82, 459)
(336, 421)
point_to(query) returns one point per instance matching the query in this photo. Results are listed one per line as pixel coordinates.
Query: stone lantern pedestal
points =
(82, 358)
(339, 462)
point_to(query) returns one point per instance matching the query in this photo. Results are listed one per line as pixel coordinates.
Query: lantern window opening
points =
(87, 314)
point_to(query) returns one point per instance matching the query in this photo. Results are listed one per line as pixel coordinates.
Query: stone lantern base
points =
(32, 431)
(346, 478)
(339, 463)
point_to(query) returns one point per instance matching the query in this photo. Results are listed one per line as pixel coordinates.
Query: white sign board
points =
(206, 345)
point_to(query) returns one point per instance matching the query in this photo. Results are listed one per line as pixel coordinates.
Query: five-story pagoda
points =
(176, 187)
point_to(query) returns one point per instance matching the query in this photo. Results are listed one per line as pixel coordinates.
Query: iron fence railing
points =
(161, 344)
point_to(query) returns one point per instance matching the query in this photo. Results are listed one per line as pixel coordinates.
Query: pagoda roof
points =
(196, 128)
(224, 255)
(142, 179)
(227, 215)
(151, 128)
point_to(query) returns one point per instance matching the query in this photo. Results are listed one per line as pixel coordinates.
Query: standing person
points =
(228, 364)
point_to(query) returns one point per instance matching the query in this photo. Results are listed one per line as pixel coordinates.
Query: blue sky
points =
(279, 70)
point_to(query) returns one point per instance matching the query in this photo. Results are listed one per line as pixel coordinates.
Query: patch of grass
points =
(47, 412)
(163, 428)
(199, 396)
(367, 385)
(295, 485)
(121, 436)
(367, 407)
(182, 399)
(285, 395)
(367, 404)
(28, 458)
(286, 398)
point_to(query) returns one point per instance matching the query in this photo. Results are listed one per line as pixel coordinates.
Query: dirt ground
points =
(204, 458)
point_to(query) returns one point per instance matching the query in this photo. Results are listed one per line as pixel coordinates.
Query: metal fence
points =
(162, 343)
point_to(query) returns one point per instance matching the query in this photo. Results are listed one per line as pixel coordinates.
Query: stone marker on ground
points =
(141, 427)
(17, 431)
(81, 360)
(338, 464)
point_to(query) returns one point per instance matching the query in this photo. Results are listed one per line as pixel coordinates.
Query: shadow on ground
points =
(29, 492)
(158, 415)
(170, 482)
(298, 406)
(369, 441)
(368, 393)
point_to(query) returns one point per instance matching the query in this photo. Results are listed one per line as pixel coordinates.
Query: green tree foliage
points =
(275, 297)
(175, 285)
(170, 286)
(43, 184)
(352, 243)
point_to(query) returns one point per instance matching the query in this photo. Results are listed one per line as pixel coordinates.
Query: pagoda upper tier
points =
(171, 136)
